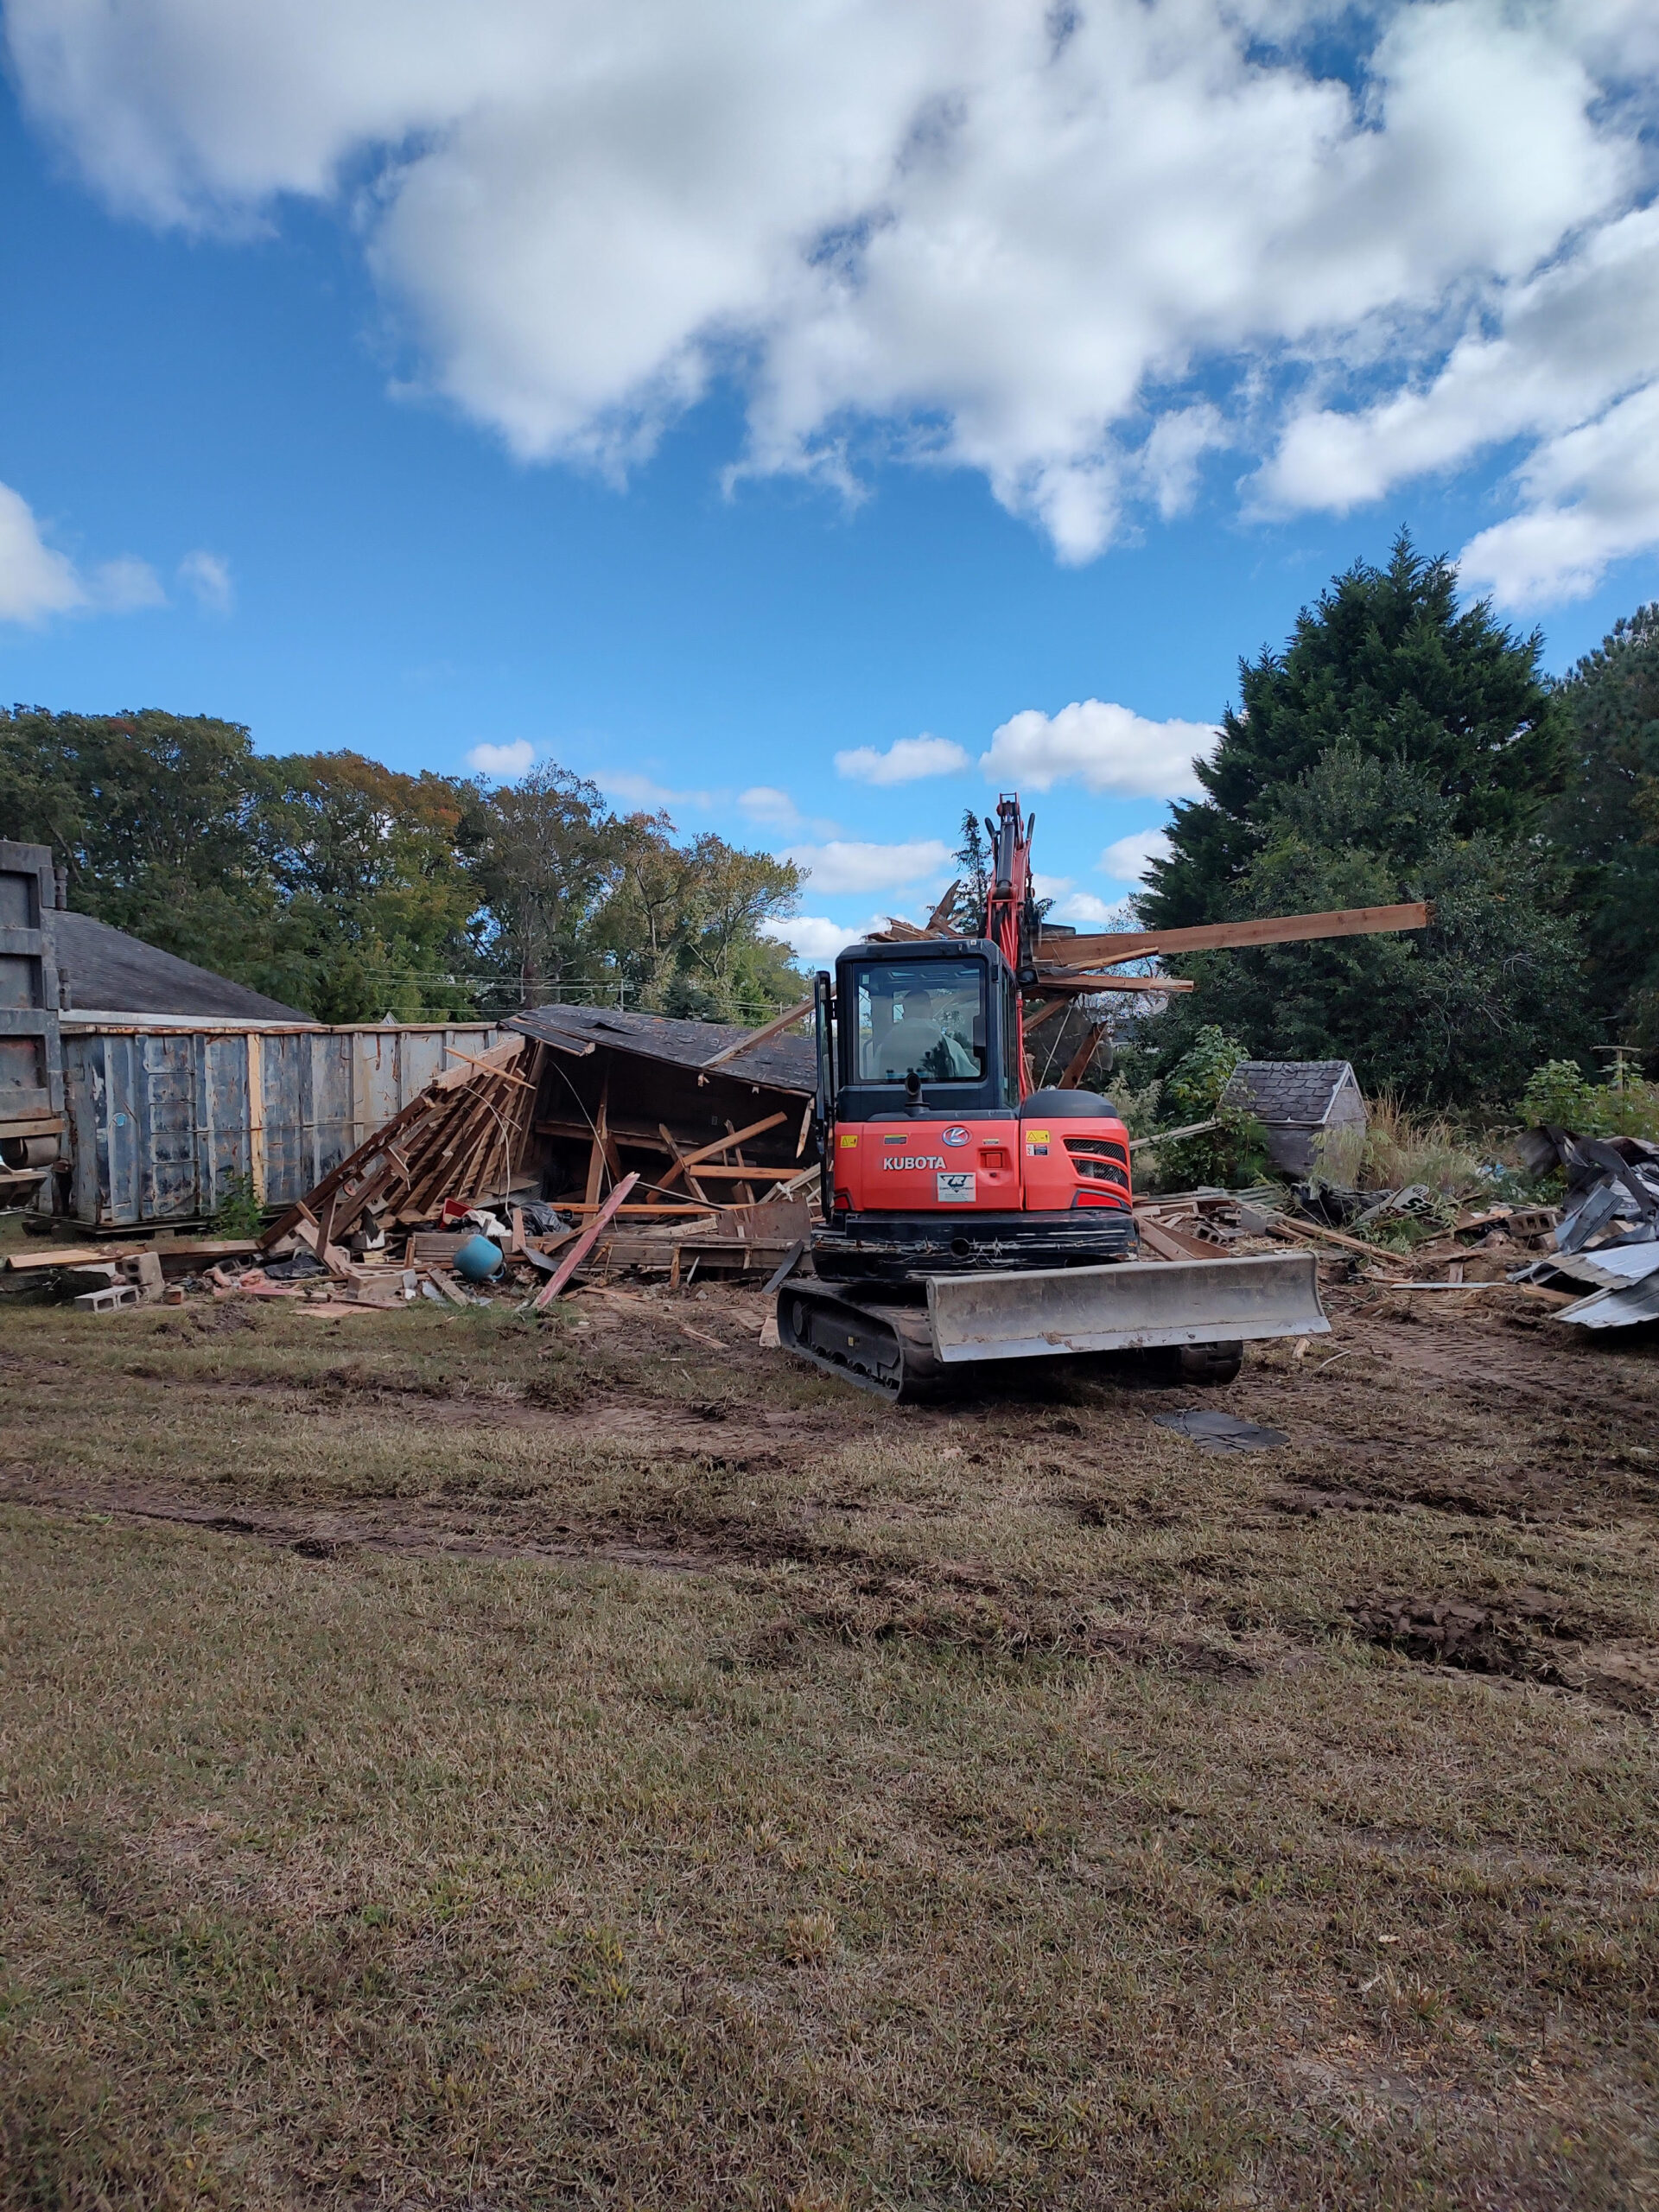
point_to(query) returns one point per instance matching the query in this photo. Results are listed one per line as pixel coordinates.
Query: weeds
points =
(1561, 1095)
(1398, 1147)
(240, 1212)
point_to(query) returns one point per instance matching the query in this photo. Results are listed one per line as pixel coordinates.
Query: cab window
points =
(925, 1017)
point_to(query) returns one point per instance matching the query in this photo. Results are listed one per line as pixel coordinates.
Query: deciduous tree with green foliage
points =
(350, 890)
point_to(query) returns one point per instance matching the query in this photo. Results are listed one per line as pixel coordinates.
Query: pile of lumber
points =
(465, 1145)
(462, 1137)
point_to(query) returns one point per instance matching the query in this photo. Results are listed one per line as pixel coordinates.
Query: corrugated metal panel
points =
(162, 1123)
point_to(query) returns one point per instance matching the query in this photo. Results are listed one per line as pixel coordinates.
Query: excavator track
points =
(881, 1348)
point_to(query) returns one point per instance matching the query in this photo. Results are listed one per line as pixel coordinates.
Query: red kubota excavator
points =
(968, 1218)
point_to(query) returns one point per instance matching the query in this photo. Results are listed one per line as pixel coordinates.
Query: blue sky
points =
(281, 442)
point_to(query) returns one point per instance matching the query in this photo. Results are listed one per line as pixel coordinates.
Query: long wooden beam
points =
(1066, 983)
(1219, 936)
(688, 1159)
(756, 1037)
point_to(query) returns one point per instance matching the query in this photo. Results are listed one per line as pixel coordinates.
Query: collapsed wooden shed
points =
(617, 1092)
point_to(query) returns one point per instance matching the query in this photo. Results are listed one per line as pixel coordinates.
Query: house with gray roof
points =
(104, 975)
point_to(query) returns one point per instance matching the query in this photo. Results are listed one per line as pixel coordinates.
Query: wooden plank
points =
(596, 1161)
(733, 1137)
(1169, 1243)
(1046, 1013)
(433, 1152)
(565, 1045)
(711, 1169)
(745, 1193)
(628, 1133)
(763, 1036)
(1169, 1136)
(680, 1166)
(499, 1057)
(406, 1119)
(935, 919)
(256, 1118)
(486, 1155)
(1303, 1229)
(1220, 937)
(583, 1245)
(444, 1153)
(207, 1249)
(707, 1212)
(1077, 1065)
(473, 1061)
(1053, 983)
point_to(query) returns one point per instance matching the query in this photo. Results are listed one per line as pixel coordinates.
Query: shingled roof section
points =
(109, 972)
(785, 1063)
(1297, 1094)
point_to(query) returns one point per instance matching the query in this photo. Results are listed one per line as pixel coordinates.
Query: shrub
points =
(1397, 1148)
(1561, 1094)
(1234, 1153)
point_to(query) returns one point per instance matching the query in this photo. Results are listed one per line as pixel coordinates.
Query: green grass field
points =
(452, 1765)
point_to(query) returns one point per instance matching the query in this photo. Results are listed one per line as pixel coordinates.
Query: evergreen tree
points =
(1388, 661)
(973, 859)
(1454, 1015)
(1399, 748)
(1606, 825)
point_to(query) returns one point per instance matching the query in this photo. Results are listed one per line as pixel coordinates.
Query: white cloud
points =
(1077, 250)
(1572, 362)
(815, 940)
(632, 790)
(843, 865)
(208, 575)
(1107, 747)
(503, 762)
(762, 803)
(1083, 910)
(124, 586)
(1126, 860)
(906, 761)
(1593, 497)
(35, 580)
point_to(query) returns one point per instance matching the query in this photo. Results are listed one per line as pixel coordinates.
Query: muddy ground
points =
(737, 1791)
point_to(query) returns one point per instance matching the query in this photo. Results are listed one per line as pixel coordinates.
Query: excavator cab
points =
(933, 1161)
(926, 1031)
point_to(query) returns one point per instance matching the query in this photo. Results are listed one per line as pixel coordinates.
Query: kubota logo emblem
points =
(957, 1135)
(914, 1159)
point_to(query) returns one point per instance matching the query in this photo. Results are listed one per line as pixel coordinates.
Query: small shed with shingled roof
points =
(1299, 1103)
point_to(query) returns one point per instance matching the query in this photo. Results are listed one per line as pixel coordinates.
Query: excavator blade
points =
(1131, 1306)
